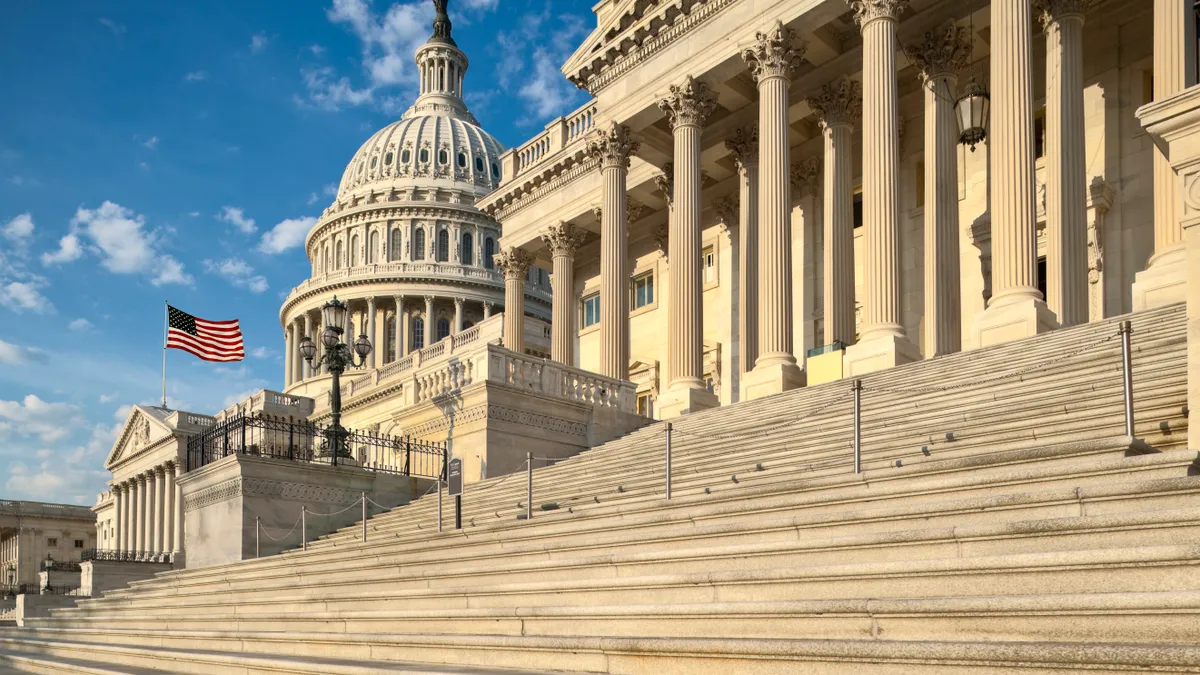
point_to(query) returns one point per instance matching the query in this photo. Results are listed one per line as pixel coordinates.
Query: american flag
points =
(209, 340)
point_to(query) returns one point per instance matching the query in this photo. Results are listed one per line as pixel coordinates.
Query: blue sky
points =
(178, 151)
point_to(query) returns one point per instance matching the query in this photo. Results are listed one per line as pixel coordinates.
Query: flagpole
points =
(166, 306)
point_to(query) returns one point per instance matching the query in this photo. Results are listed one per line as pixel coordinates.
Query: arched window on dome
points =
(418, 332)
(443, 329)
(489, 250)
(443, 246)
(354, 260)
(340, 260)
(468, 249)
(443, 157)
(373, 251)
(479, 165)
(397, 246)
(462, 160)
(418, 252)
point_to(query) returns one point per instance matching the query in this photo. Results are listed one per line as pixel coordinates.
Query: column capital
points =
(838, 103)
(688, 104)
(514, 262)
(160, 470)
(458, 301)
(398, 299)
(662, 237)
(564, 239)
(727, 210)
(613, 146)
(665, 182)
(804, 173)
(634, 209)
(775, 53)
(743, 145)
(429, 299)
(370, 302)
(941, 51)
(140, 478)
(866, 11)
(1051, 12)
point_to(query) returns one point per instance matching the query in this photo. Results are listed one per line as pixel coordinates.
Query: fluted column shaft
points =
(177, 511)
(118, 495)
(1066, 164)
(430, 322)
(398, 335)
(160, 512)
(139, 514)
(289, 347)
(838, 256)
(371, 331)
(152, 505)
(943, 294)
(613, 147)
(458, 315)
(1014, 225)
(881, 163)
(168, 511)
(774, 225)
(128, 538)
(563, 241)
(1174, 70)
(744, 146)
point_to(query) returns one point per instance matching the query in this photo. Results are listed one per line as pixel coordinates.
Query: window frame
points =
(583, 311)
(646, 280)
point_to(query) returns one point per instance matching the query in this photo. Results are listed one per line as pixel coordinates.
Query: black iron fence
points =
(115, 555)
(10, 590)
(59, 566)
(302, 441)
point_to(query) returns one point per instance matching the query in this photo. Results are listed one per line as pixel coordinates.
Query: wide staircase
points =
(1002, 523)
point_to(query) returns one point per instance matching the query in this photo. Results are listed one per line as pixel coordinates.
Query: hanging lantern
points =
(971, 110)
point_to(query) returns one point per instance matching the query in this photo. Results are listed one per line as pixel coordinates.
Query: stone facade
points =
(32, 531)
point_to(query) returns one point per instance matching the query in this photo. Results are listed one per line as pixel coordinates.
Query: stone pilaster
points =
(613, 146)
(514, 263)
(743, 146)
(772, 60)
(563, 240)
(1164, 279)
(1016, 309)
(941, 53)
(838, 106)
(884, 342)
(160, 512)
(177, 511)
(398, 331)
(687, 107)
(458, 315)
(1066, 164)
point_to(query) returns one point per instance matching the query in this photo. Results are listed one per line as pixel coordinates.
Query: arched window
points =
(354, 251)
(396, 245)
(340, 261)
(489, 250)
(418, 252)
(443, 327)
(443, 245)
(462, 160)
(479, 166)
(468, 249)
(418, 333)
(443, 157)
(325, 259)
(372, 252)
(389, 339)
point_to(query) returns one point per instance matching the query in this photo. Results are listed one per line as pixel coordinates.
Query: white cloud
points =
(326, 91)
(317, 50)
(286, 235)
(116, 28)
(24, 181)
(261, 353)
(44, 453)
(331, 189)
(546, 92)
(237, 217)
(32, 416)
(237, 272)
(16, 355)
(117, 235)
(195, 76)
(259, 42)
(22, 297)
(19, 230)
(312, 199)
(80, 325)
(481, 4)
(107, 398)
(528, 59)
(151, 143)
(193, 214)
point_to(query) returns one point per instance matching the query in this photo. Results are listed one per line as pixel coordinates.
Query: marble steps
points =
(1043, 536)
(188, 658)
(974, 481)
(1153, 617)
(14, 661)
(218, 653)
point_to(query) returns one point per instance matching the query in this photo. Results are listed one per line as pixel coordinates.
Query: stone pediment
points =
(142, 429)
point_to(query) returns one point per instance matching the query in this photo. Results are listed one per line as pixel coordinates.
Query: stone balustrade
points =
(409, 270)
(559, 134)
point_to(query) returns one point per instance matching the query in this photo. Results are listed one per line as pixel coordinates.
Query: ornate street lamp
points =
(338, 356)
(971, 110)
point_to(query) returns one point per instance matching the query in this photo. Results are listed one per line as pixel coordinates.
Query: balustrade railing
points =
(120, 555)
(59, 566)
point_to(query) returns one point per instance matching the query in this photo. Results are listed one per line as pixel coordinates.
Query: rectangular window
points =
(709, 258)
(591, 310)
(645, 404)
(52, 542)
(78, 543)
(643, 290)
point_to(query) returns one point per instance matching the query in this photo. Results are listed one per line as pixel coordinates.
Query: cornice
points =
(533, 195)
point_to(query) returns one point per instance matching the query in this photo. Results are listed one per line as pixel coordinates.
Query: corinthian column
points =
(563, 239)
(1016, 309)
(177, 510)
(613, 147)
(398, 332)
(772, 60)
(838, 106)
(687, 107)
(306, 368)
(160, 513)
(371, 331)
(942, 52)
(1164, 279)
(514, 263)
(744, 149)
(118, 496)
(139, 514)
(1066, 182)
(289, 348)
(883, 342)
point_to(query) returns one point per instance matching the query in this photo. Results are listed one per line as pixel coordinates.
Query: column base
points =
(1163, 283)
(684, 400)
(1020, 318)
(772, 379)
(887, 351)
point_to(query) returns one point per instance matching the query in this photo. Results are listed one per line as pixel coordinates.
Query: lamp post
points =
(338, 356)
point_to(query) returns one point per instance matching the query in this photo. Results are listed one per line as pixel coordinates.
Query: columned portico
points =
(613, 147)
(941, 53)
(139, 513)
(563, 240)
(687, 107)
(177, 511)
(1016, 309)
(515, 264)
(772, 60)
(883, 342)
(744, 148)
(838, 106)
